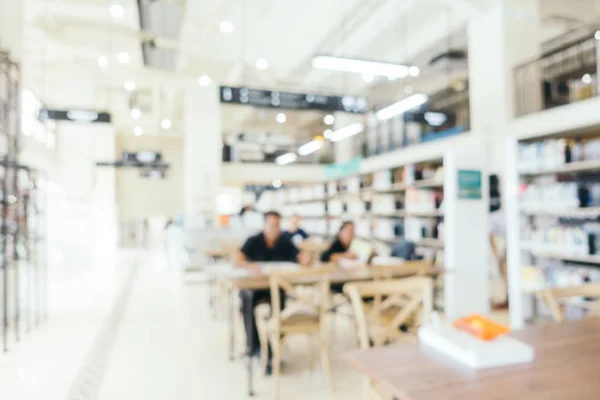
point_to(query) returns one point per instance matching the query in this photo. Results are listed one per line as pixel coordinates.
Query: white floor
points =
(152, 339)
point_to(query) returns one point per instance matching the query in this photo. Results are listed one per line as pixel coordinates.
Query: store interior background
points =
(83, 55)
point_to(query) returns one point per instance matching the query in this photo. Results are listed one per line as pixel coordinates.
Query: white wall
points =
(138, 197)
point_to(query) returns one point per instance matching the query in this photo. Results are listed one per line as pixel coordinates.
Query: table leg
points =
(250, 365)
(231, 317)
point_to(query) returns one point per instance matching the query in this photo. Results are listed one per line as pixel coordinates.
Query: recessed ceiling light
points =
(329, 119)
(286, 158)
(276, 183)
(597, 35)
(226, 27)
(408, 90)
(136, 113)
(117, 11)
(204, 80)
(587, 79)
(123, 57)
(327, 133)
(281, 118)
(262, 64)
(138, 131)
(129, 86)
(368, 77)
(414, 71)
(402, 106)
(102, 61)
(166, 124)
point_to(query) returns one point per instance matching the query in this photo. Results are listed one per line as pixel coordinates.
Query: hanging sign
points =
(292, 101)
(469, 184)
(80, 116)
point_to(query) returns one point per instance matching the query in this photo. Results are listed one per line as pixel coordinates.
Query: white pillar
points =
(344, 150)
(202, 154)
(501, 39)
(11, 27)
(88, 193)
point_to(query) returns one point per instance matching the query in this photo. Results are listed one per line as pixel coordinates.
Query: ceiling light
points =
(286, 158)
(281, 118)
(226, 27)
(102, 61)
(329, 119)
(129, 86)
(138, 131)
(166, 124)
(346, 132)
(402, 106)
(435, 118)
(136, 113)
(414, 71)
(123, 57)
(204, 80)
(597, 35)
(117, 11)
(408, 90)
(262, 64)
(587, 79)
(327, 133)
(310, 147)
(276, 183)
(361, 66)
(368, 77)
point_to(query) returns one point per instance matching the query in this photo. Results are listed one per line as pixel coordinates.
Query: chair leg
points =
(325, 358)
(263, 337)
(276, 344)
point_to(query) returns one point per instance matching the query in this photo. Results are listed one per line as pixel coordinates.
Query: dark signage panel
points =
(81, 116)
(292, 101)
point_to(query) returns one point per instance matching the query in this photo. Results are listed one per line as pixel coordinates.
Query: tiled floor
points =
(164, 346)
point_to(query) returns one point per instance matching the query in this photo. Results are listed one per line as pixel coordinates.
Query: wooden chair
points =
(552, 298)
(400, 271)
(313, 248)
(305, 315)
(384, 322)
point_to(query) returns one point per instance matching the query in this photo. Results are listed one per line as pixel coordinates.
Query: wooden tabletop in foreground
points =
(566, 367)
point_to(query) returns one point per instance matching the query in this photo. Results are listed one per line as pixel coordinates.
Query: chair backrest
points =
(313, 248)
(409, 297)
(404, 269)
(552, 297)
(288, 282)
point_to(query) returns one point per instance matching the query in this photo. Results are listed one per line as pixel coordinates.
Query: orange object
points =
(481, 327)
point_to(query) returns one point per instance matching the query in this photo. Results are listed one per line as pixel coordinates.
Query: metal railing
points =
(564, 75)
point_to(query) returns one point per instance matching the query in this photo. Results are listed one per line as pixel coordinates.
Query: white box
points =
(472, 352)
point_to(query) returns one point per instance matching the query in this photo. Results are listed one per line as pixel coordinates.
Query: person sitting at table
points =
(267, 246)
(296, 234)
(340, 247)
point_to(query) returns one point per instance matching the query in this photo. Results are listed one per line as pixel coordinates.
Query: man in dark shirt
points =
(268, 246)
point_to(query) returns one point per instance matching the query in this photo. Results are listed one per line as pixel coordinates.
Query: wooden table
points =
(261, 282)
(566, 367)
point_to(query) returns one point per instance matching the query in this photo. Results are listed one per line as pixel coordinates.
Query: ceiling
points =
(65, 38)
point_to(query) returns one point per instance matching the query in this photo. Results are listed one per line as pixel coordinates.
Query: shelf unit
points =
(23, 286)
(554, 218)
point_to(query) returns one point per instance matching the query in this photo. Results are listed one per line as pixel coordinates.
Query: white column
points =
(501, 39)
(88, 209)
(11, 27)
(202, 154)
(344, 150)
